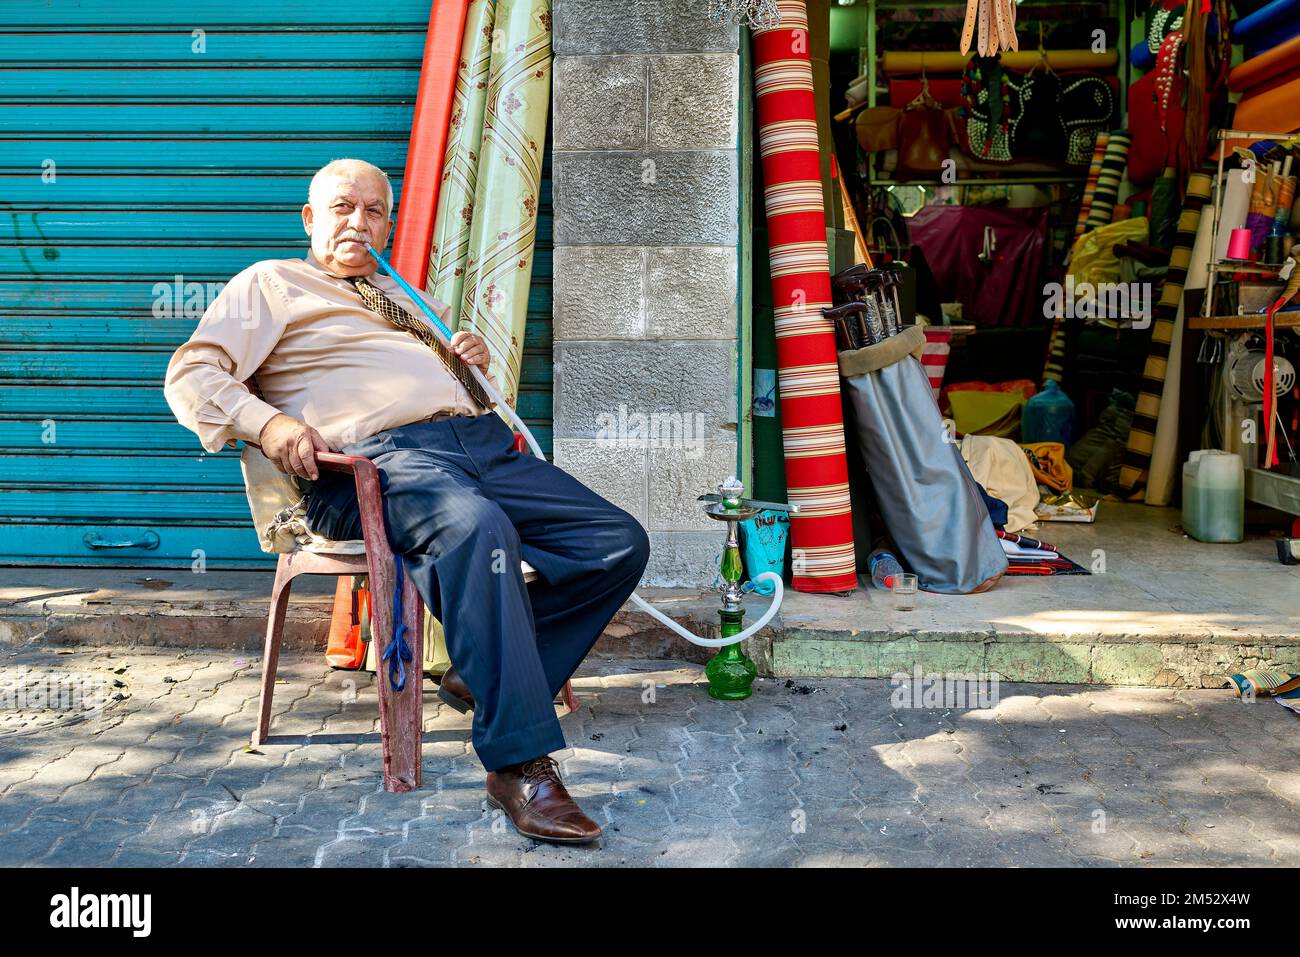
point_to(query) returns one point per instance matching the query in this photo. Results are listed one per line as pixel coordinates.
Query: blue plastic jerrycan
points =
(1048, 416)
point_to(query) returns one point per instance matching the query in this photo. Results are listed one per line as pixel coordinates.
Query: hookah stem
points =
(410, 291)
(441, 326)
(518, 423)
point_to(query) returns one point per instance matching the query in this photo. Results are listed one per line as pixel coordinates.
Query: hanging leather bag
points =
(925, 134)
(877, 128)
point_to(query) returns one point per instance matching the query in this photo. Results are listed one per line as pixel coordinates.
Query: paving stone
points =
(28, 844)
(289, 849)
(216, 857)
(145, 857)
(353, 852)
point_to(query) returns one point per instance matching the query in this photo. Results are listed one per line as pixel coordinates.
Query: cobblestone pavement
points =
(823, 772)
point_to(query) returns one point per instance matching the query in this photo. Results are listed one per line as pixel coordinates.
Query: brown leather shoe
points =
(534, 797)
(453, 690)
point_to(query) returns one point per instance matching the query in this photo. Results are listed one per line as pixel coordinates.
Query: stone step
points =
(1159, 610)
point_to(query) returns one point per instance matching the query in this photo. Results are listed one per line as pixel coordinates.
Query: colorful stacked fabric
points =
(450, 245)
(1029, 556)
(424, 155)
(1281, 686)
(1090, 185)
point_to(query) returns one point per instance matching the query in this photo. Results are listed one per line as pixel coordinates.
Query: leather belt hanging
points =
(996, 20)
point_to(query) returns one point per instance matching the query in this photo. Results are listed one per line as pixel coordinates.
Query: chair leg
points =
(271, 651)
(401, 714)
(569, 700)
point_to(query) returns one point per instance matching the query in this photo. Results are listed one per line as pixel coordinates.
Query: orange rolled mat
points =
(1283, 58)
(428, 140)
(1273, 107)
(903, 61)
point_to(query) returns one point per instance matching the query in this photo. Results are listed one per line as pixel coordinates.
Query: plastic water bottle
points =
(1048, 416)
(884, 568)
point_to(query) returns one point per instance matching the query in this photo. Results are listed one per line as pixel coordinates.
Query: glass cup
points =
(904, 592)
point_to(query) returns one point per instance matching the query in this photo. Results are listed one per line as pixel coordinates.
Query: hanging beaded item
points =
(1166, 73)
(986, 90)
(1161, 22)
(1088, 103)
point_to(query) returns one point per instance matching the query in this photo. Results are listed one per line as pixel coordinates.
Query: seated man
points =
(337, 372)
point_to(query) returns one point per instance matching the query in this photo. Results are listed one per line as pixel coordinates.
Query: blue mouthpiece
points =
(410, 291)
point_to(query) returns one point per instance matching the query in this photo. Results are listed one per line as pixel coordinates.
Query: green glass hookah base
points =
(731, 672)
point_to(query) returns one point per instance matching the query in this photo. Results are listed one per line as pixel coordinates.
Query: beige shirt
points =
(319, 353)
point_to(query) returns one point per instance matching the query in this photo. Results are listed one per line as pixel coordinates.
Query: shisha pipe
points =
(726, 507)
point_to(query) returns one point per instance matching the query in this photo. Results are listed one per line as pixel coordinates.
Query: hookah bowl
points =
(731, 672)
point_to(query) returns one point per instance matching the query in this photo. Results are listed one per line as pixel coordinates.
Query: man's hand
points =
(471, 349)
(292, 446)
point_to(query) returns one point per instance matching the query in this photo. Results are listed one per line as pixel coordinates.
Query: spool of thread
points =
(1285, 197)
(1263, 201)
(1239, 244)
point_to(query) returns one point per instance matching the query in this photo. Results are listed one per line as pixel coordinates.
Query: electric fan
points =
(1244, 373)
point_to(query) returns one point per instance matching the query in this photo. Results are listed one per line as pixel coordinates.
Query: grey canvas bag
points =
(930, 503)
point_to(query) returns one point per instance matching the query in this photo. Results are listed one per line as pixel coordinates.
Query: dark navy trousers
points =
(463, 507)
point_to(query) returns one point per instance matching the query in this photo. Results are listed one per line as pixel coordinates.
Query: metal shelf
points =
(1222, 265)
(1246, 265)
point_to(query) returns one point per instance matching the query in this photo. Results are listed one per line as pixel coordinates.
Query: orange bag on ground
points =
(346, 648)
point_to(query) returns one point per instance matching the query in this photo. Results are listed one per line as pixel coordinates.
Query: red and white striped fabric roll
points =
(807, 371)
(938, 343)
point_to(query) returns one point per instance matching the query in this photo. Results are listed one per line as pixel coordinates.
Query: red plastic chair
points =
(401, 714)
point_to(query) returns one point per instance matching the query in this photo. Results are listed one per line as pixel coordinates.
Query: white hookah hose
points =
(695, 639)
(518, 423)
(644, 605)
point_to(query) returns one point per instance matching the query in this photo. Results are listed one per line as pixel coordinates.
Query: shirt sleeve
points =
(204, 384)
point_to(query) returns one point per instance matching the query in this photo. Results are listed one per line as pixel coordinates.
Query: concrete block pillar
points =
(646, 200)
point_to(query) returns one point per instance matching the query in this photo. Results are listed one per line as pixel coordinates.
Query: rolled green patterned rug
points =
(499, 262)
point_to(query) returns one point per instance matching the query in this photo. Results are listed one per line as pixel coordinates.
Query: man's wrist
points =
(262, 431)
(253, 419)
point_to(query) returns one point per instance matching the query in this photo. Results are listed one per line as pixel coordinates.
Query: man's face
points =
(350, 212)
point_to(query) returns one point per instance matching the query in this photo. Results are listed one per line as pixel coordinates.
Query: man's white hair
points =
(346, 167)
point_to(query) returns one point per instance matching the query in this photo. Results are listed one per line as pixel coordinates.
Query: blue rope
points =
(398, 651)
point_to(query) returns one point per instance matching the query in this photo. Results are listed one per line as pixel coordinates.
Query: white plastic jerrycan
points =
(1214, 496)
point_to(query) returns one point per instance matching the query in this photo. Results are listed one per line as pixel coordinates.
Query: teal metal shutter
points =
(536, 371)
(148, 152)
